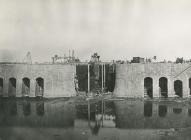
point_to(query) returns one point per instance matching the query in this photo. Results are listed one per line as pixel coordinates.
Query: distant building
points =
(138, 60)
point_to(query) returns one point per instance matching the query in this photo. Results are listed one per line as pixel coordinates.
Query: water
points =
(65, 119)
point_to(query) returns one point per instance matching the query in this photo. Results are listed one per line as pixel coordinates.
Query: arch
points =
(178, 88)
(148, 86)
(1, 86)
(12, 87)
(190, 85)
(39, 91)
(163, 86)
(25, 86)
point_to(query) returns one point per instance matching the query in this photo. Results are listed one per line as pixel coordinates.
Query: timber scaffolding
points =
(95, 78)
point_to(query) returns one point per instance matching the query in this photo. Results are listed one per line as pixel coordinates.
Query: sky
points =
(116, 29)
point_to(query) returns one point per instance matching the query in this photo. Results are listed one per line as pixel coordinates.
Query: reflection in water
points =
(148, 108)
(177, 110)
(98, 119)
(3, 106)
(26, 107)
(162, 110)
(83, 113)
(26, 112)
(40, 108)
(98, 114)
(189, 112)
(8, 107)
(13, 107)
(96, 109)
(95, 128)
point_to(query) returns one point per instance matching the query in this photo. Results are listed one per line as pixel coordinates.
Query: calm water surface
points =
(64, 119)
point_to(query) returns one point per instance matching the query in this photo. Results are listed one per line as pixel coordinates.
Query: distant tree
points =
(155, 57)
(149, 60)
(179, 60)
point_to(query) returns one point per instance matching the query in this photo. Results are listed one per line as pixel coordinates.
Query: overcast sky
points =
(116, 29)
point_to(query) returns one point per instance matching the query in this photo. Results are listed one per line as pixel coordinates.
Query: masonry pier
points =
(32, 80)
(153, 80)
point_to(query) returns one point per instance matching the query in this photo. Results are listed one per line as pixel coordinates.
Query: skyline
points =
(5, 59)
(116, 29)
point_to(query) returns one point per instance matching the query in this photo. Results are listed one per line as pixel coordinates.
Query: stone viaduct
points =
(132, 80)
(47, 80)
(153, 80)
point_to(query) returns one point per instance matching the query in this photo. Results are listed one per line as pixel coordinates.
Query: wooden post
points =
(102, 77)
(88, 78)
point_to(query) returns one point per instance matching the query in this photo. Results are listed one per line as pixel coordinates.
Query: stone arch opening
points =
(178, 88)
(25, 86)
(190, 85)
(163, 87)
(12, 87)
(1, 86)
(39, 87)
(148, 87)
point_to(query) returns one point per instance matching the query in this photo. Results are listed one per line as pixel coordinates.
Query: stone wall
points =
(58, 79)
(130, 78)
